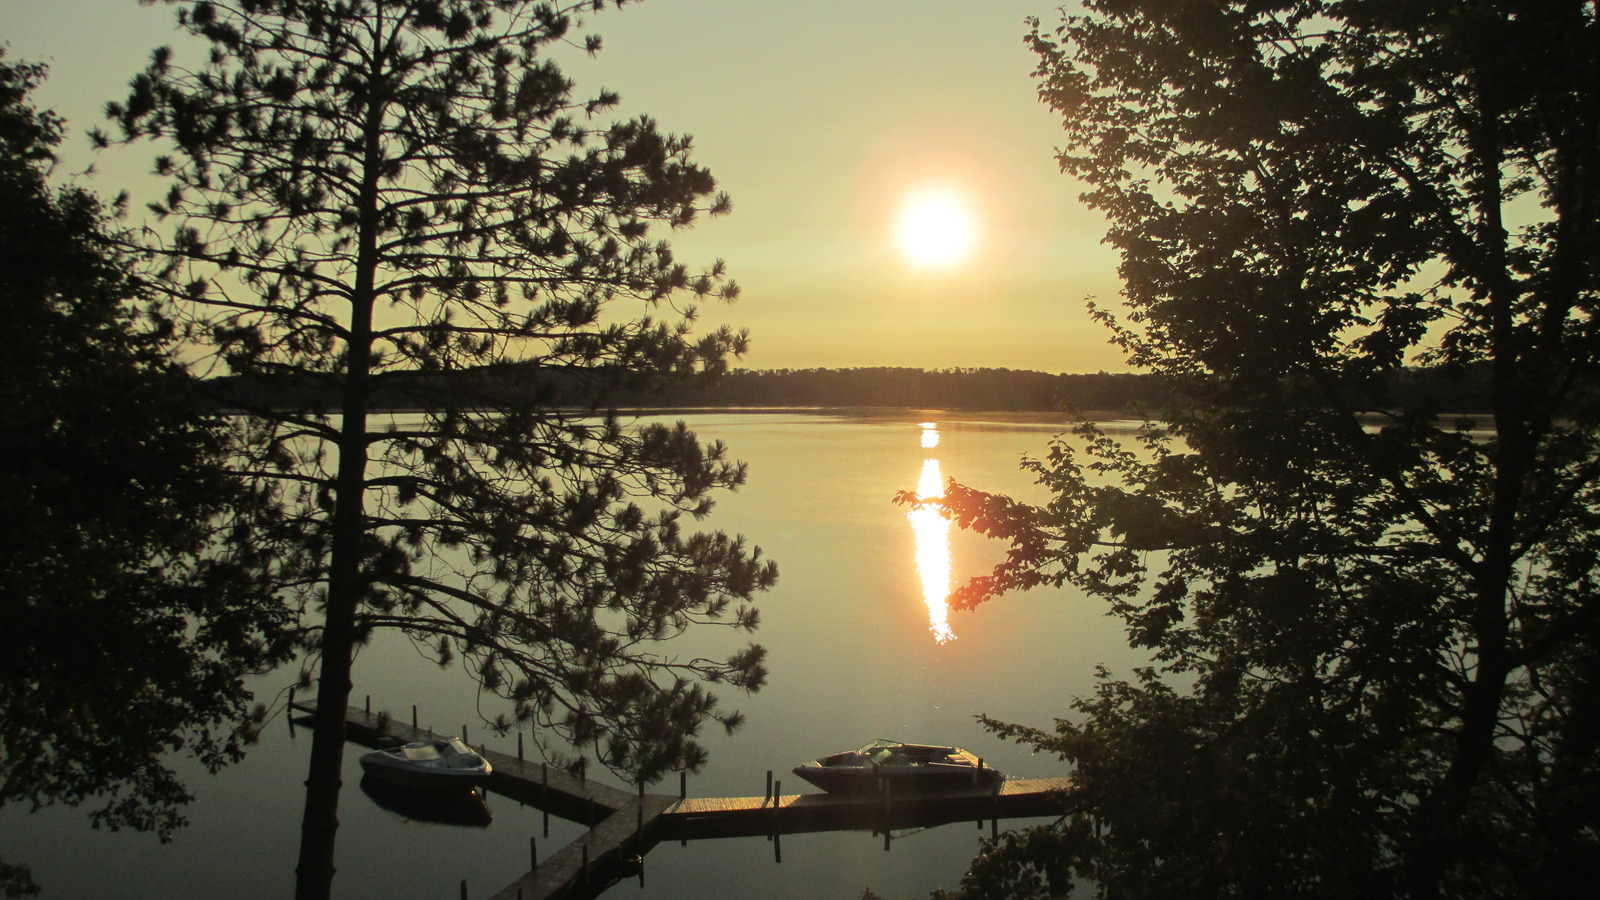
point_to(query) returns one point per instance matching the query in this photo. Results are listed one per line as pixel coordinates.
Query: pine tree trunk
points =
(320, 825)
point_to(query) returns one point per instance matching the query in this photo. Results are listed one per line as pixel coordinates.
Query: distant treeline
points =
(977, 389)
(1017, 390)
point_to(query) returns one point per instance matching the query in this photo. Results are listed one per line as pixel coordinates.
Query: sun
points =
(935, 228)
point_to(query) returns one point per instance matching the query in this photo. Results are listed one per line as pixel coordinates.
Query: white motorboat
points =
(439, 764)
(903, 767)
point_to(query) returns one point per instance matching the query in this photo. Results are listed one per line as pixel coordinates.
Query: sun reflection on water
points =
(932, 532)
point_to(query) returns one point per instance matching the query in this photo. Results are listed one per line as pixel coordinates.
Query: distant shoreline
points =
(795, 391)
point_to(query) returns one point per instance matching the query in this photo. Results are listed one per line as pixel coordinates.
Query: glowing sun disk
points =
(935, 228)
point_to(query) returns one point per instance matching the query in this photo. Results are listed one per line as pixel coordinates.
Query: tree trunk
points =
(320, 825)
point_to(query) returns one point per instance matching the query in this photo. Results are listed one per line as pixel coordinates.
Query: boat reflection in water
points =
(932, 533)
(464, 807)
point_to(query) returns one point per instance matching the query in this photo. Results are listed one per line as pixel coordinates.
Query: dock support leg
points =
(776, 787)
(994, 823)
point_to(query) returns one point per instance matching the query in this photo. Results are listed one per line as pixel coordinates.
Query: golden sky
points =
(822, 119)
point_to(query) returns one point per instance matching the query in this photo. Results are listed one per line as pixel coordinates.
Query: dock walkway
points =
(625, 826)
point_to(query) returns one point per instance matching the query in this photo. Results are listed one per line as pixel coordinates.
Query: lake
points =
(856, 653)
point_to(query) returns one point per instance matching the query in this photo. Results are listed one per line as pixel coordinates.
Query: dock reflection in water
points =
(932, 532)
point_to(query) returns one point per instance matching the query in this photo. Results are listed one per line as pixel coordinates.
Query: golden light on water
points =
(932, 532)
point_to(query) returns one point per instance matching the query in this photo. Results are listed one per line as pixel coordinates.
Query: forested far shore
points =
(993, 389)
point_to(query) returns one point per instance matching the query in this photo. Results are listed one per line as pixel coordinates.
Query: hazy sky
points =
(820, 118)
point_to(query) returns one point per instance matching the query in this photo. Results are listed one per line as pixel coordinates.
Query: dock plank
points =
(607, 848)
(695, 819)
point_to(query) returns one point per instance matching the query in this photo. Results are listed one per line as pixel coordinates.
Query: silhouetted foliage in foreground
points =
(1375, 640)
(128, 614)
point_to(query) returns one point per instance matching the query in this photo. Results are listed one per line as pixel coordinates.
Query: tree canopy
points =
(368, 192)
(1374, 623)
(128, 618)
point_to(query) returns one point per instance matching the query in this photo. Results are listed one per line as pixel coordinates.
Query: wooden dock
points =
(624, 826)
(696, 819)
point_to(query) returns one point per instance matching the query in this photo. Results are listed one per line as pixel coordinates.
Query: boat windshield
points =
(881, 755)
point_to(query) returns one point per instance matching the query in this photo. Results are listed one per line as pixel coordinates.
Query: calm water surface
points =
(857, 652)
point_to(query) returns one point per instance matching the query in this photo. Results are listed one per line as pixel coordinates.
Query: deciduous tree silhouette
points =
(1375, 627)
(404, 195)
(129, 615)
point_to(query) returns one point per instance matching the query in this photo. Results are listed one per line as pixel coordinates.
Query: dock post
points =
(683, 785)
(463, 889)
(413, 718)
(888, 812)
(519, 745)
(769, 784)
(369, 704)
(592, 821)
(640, 830)
(777, 835)
(994, 823)
(533, 852)
(544, 794)
(583, 871)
